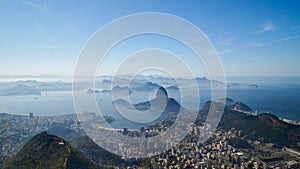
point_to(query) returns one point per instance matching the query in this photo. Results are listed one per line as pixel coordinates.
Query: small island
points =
(253, 85)
(109, 119)
(91, 91)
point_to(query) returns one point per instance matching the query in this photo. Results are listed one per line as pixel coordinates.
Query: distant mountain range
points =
(140, 83)
(32, 87)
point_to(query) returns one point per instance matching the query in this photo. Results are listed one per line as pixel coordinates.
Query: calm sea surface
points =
(280, 96)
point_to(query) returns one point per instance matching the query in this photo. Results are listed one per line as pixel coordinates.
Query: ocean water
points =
(277, 95)
(280, 96)
(283, 102)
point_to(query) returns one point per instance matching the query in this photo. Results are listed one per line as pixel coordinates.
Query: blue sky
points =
(252, 37)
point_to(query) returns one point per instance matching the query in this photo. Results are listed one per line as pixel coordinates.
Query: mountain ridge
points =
(264, 127)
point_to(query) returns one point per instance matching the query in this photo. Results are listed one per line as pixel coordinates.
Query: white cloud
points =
(277, 40)
(226, 42)
(225, 46)
(225, 51)
(266, 27)
(38, 7)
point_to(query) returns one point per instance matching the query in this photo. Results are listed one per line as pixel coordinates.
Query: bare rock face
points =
(161, 93)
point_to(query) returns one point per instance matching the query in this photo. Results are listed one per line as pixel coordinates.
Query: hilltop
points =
(48, 151)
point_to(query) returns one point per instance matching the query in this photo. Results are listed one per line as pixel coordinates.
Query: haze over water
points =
(277, 95)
